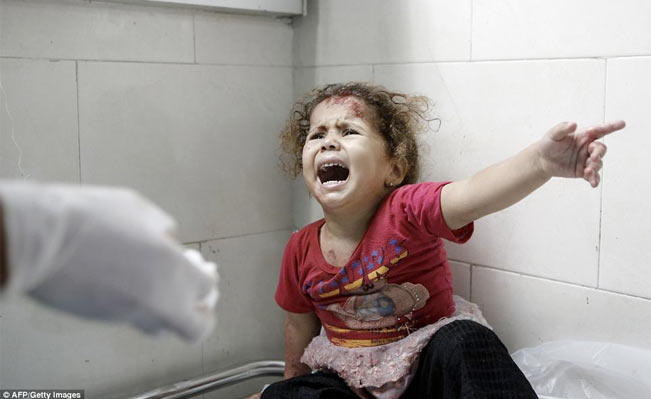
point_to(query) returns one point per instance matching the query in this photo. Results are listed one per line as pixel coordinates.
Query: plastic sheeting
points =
(586, 370)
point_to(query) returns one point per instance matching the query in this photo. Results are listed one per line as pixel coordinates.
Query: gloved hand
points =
(105, 253)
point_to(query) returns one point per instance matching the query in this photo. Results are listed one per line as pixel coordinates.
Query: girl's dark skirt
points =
(463, 360)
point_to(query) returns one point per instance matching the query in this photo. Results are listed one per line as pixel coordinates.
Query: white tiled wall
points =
(227, 39)
(486, 115)
(80, 30)
(250, 325)
(525, 29)
(184, 106)
(461, 279)
(625, 236)
(568, 262)
(46, 146)
(526, 311)
(185, 138)
(48, 348)
(338, 32)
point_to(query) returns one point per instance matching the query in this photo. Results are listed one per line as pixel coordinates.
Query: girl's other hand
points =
(566, 152)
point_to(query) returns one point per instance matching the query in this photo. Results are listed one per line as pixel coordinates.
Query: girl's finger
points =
(597, 149)
(591, 177)
(597, 179)
(560, 131)
(596, 132)
(581, 160)
(594, 165)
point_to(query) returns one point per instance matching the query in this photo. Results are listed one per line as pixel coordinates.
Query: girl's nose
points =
(330, 143)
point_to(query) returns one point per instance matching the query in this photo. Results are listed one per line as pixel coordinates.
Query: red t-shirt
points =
(397, 278)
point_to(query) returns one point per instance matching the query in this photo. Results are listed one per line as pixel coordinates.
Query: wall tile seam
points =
(203, 358)
(280, 66)
(550, 58)
(294, 66)
(464, 61)
(603, 180)
(181, 9)
(194, 37)
(470, 267)
(470, 282)
(117, 61)
(78, 120)
(524, 274)
(472, 8)
(369, 65)
(460, 261)
(192, 243)
(565, 283)
(473, 61)
(51, 59)
(250, 234)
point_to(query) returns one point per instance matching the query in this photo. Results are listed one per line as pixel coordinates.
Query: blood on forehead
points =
(352, 102)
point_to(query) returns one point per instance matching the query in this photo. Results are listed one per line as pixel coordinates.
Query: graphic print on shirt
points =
(364, 272)
(373, 302)
(380, 306)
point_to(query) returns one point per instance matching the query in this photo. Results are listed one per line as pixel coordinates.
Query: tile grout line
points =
(459, 61)
(603, 175)
(203, 362)
(194, 36)
(203, 348)
(201, 241)
(557, 281)
(151, 62)
(479, 61)
(472, 16)
(470, 278)
(78, 120)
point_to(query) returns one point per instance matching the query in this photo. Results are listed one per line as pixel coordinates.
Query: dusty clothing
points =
(463, 360)
(396, 281)
(384, 371)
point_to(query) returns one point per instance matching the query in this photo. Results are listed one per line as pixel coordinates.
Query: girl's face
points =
(345, 160)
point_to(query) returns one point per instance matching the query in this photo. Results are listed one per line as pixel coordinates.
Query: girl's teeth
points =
(325, 165)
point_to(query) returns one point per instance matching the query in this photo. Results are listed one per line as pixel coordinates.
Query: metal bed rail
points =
(210, 382)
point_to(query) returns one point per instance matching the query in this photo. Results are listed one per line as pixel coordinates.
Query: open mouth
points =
(333, 173)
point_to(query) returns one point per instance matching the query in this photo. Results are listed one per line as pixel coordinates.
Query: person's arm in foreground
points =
(562, 152)
(103, 253)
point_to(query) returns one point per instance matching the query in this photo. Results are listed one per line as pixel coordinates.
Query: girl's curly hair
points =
(399, 118)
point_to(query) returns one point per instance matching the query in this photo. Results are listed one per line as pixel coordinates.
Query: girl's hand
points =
(565, 152)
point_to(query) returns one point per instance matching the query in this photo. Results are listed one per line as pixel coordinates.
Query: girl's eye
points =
(317, 135)
(350, 131)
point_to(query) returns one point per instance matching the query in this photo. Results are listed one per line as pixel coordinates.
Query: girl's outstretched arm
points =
(563, 152)
(300, 328)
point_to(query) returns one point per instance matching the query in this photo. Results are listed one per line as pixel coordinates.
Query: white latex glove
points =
(105, 253)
